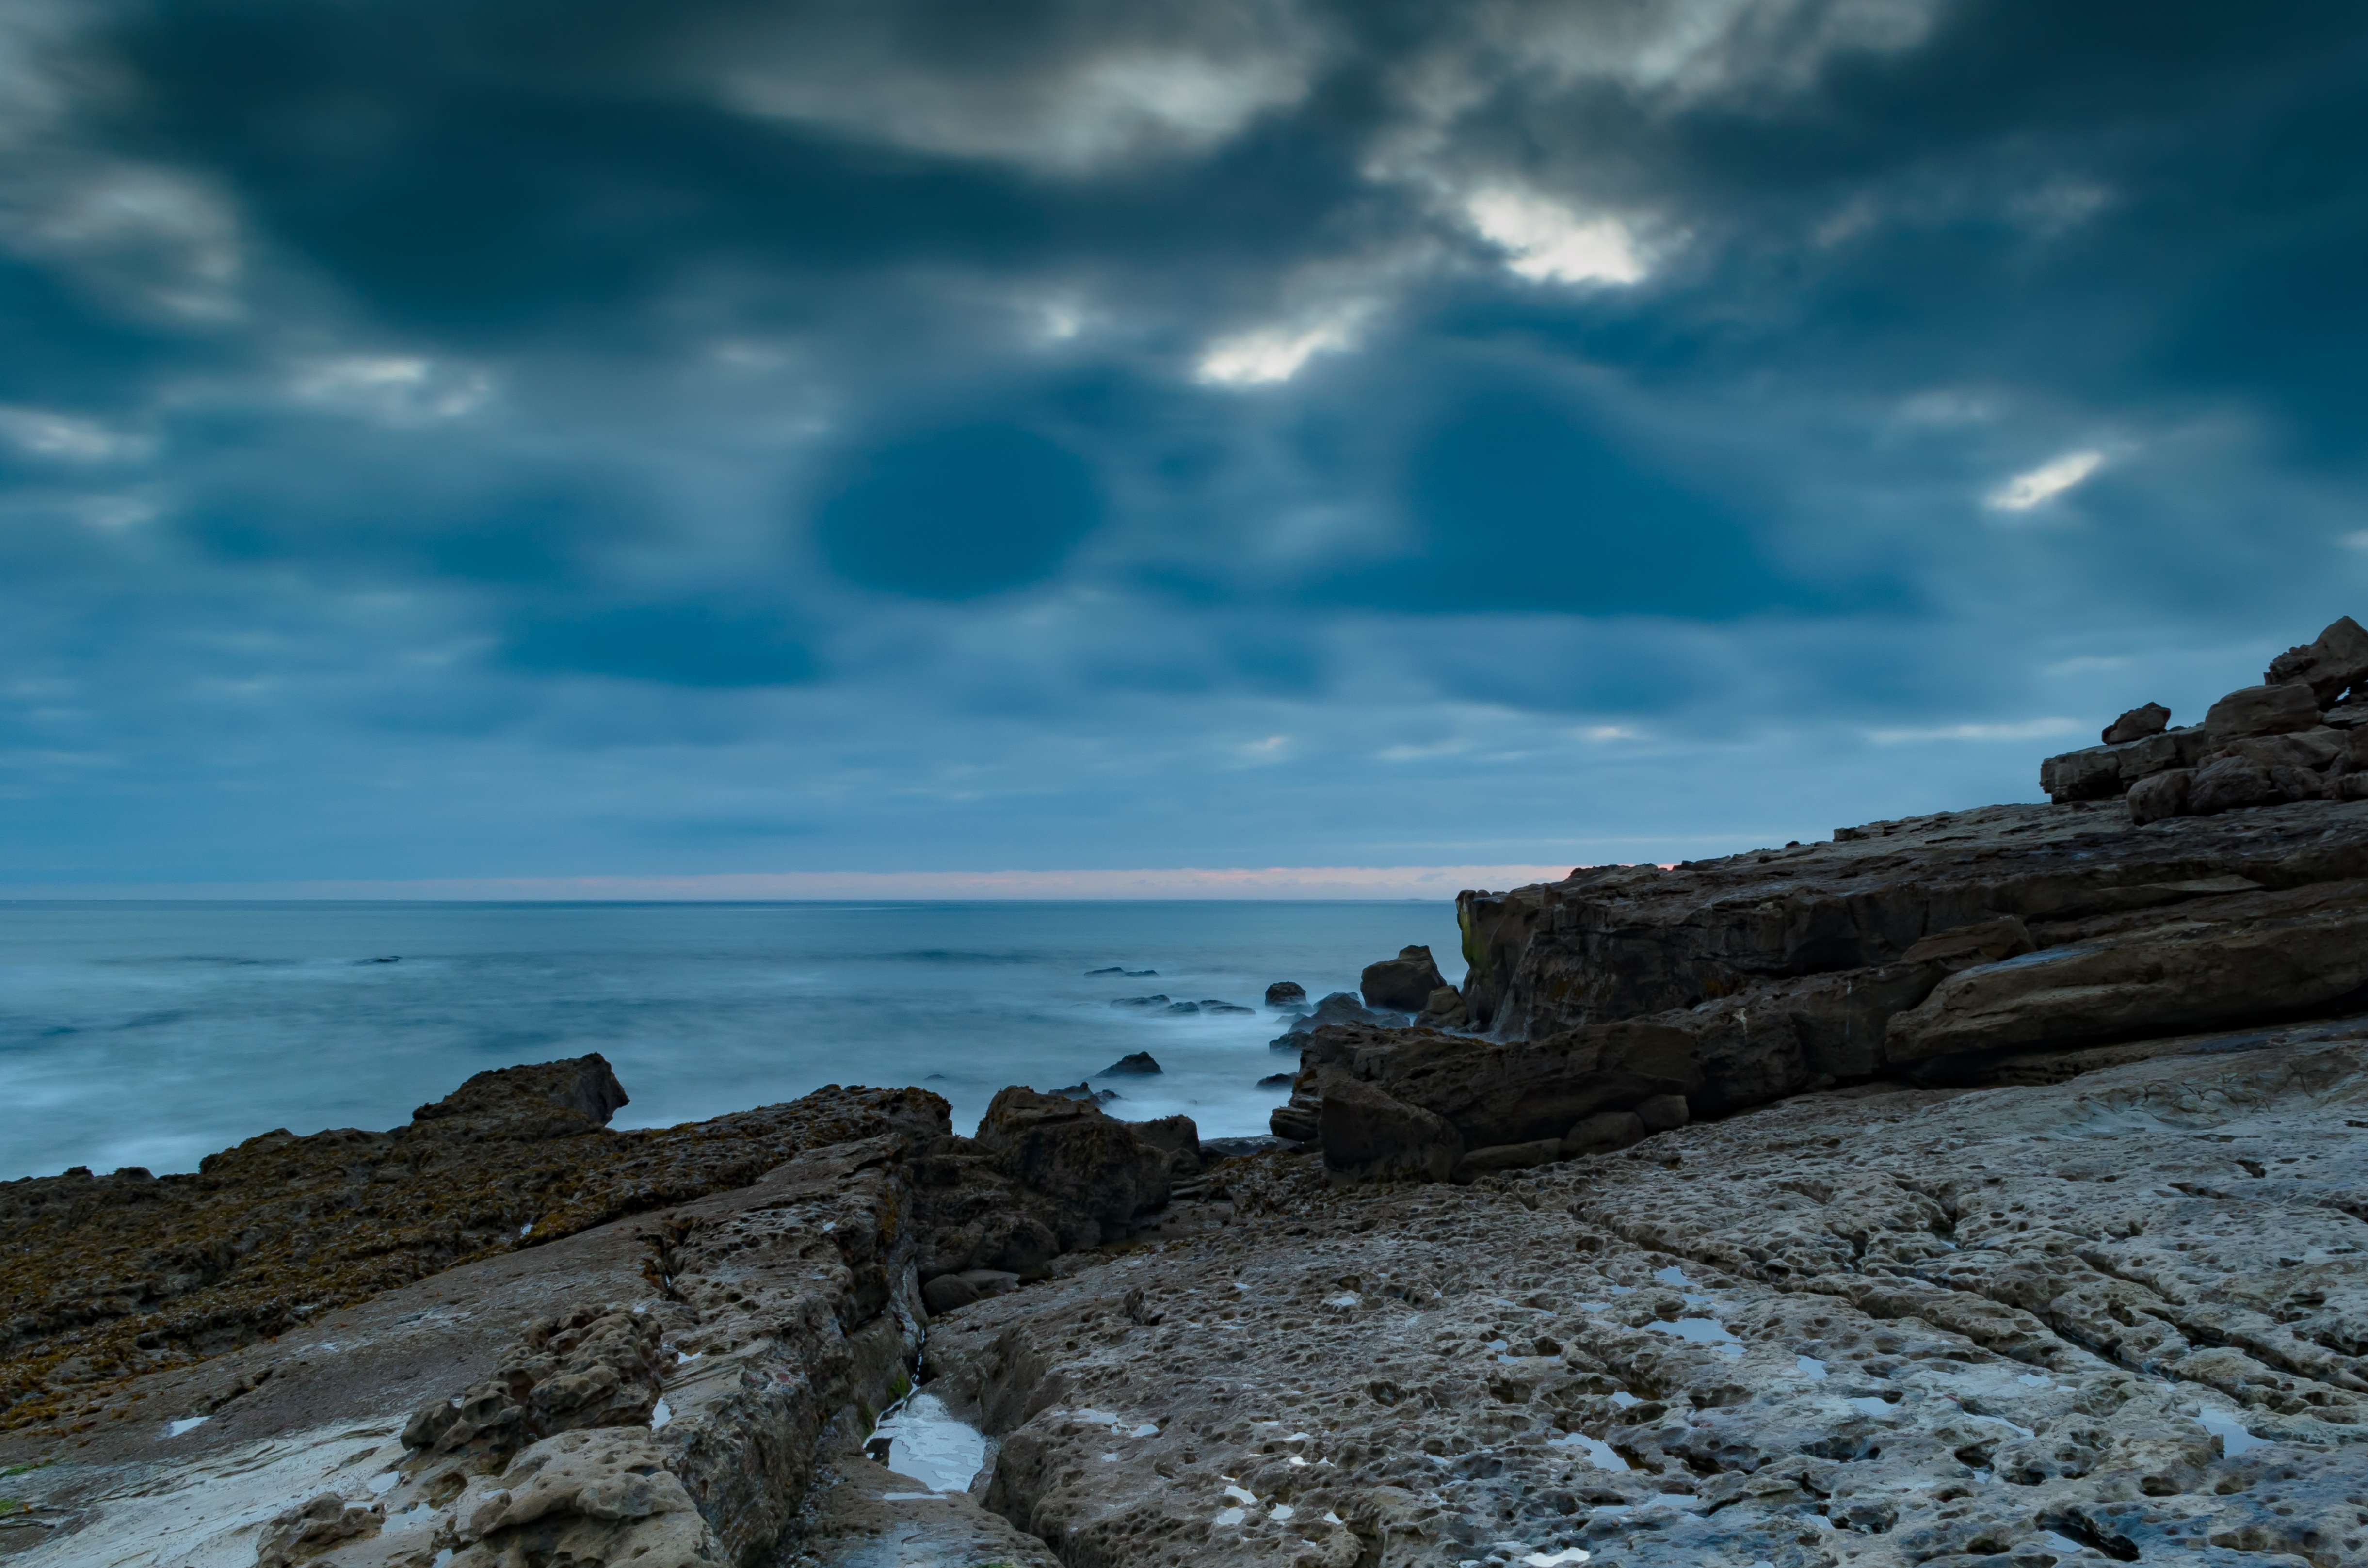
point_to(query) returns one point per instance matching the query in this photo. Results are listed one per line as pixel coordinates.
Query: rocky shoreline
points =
(1983, 1188)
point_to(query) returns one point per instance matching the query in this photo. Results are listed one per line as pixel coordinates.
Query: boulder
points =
(1139, 1065)
(1069, 1152)
(1179, 1137)
(1276, 1080)
(2326, 666)
(2294, 953)
(2234, 782)
(543, 1099)
(1286, 994)
(2313, 748)
(2092, 773)
(1404, 984)
(1604, 1132)
(2261, 710)
(2137, 724)
(1497, 1092)
(1183, 1007)
(2164, 795)
(1367, 1132)
(1444, 1010)
(946, 1292)
(1663, 1113)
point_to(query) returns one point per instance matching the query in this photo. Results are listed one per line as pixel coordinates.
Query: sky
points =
(494, 444)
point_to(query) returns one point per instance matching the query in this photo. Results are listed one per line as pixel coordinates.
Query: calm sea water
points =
(153, 1034)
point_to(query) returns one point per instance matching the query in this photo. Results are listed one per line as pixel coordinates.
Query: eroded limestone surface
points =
(2119, 1318)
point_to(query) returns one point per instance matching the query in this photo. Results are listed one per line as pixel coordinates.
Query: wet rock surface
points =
(2119, 1318)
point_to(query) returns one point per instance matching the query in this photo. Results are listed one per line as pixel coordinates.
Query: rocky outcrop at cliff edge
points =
(664, 1391)
(2296, 736)
(1946, 949)
(1938, 949)
(104, 1279)
(1836, 938)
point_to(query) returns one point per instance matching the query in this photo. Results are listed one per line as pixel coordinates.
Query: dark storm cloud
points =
(969, 434)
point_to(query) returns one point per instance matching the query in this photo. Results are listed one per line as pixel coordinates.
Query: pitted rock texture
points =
(2121, 1318)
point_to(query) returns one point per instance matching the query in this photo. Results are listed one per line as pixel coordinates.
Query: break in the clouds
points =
(525, 439)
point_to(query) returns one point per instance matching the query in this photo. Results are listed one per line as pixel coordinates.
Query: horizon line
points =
(1269, 882)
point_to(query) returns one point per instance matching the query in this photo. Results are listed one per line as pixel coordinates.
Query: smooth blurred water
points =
(153, 1034)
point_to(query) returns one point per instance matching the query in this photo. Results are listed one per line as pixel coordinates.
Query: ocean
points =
(153, 1034)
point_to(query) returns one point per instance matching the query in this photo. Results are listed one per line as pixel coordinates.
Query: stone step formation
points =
(2296, 736)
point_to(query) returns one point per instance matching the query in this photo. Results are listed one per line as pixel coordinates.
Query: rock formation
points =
(1402, 984)
(2117, 1319)
(1978, 1188)
(2291, 738)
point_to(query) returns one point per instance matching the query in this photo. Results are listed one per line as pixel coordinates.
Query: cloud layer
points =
(514, 439)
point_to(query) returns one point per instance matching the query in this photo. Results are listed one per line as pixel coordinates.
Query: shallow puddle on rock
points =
(928, 1442)
(1599, 1453)
(2234, 1439)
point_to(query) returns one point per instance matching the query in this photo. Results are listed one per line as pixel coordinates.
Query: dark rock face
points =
(1286, 994)
(1941, 949)
(1141, 1065)
(2337, 659)
(1404, 984)
(1046, 1175)
(2137, 724)
(547, 1099)
(1369, 1132)
(2261, 710)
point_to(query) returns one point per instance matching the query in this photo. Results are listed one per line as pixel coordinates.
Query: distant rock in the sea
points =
(1130, 973)
(1210, 1005)
(1183, 1006)
(1340, 1007)
(1276, 1081)
(1286, 994)
(1139, 1002)
(1139, 1065)
(1082, 1090)
(1113, 969)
